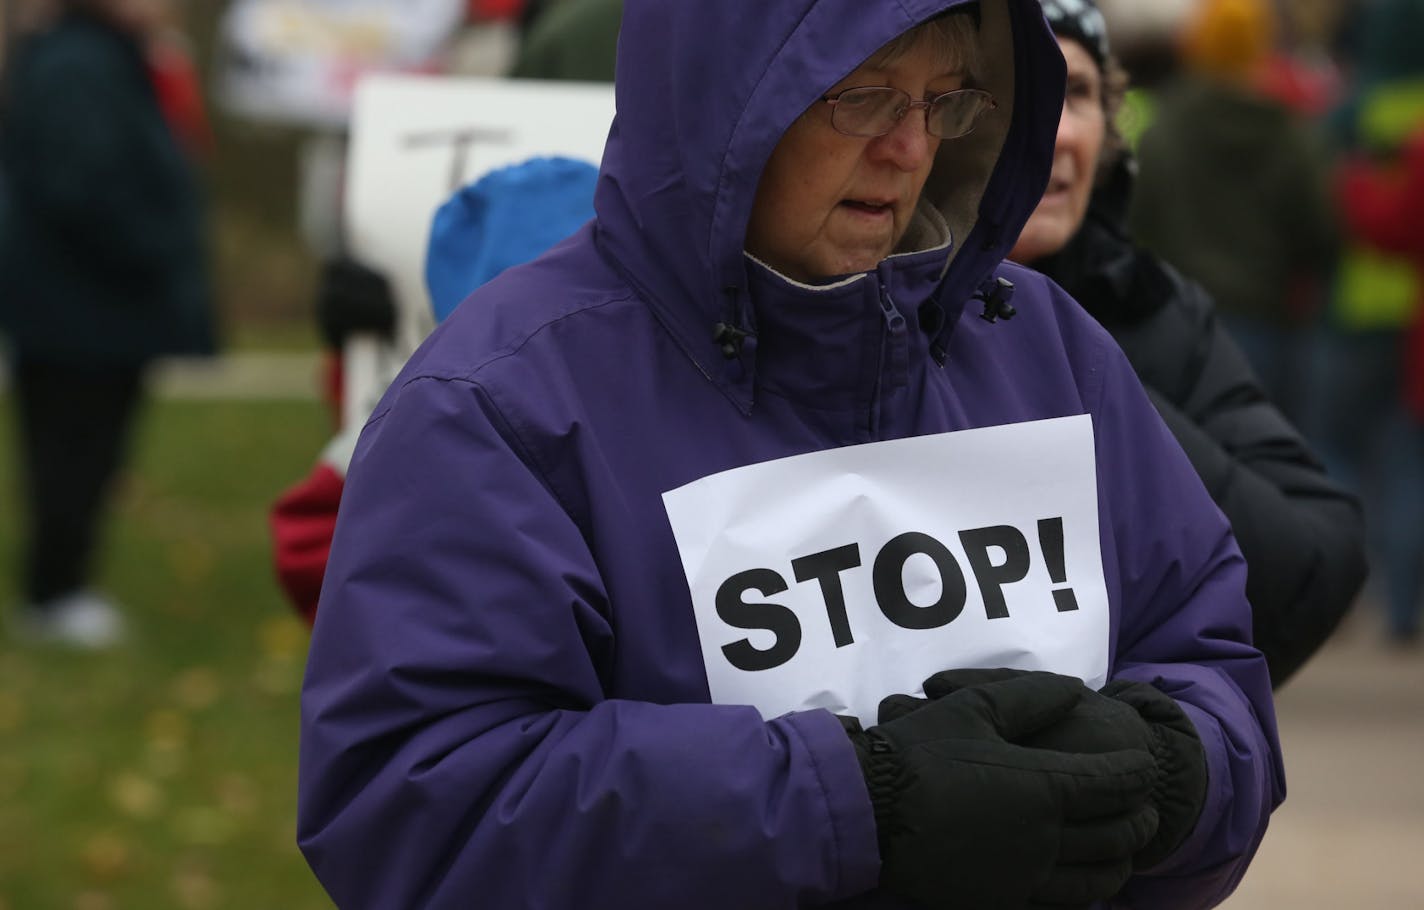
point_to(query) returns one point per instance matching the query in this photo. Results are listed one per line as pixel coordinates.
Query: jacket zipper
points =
(892, 368)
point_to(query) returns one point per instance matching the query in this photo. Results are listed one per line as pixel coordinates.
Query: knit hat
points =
(1228, 38)
(1082, 21)
(506, 218)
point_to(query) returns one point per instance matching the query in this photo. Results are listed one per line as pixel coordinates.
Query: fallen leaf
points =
(13, 775)
(105, 857)
(204, 826)
(197, 688)
(238, 795)
(278, 676)
(164, 761)
(283, 636)
(194, 889)
(12, 715)
(135, 796)
(192, 560)
(167, 730)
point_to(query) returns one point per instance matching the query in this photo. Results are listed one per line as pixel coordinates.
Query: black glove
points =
(352, 298)
(1125, 715)
(1180, 791)
(966, 818)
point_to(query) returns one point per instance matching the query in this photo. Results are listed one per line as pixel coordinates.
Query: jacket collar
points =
(828, 344)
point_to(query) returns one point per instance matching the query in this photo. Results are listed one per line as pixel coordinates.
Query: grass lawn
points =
(163, 775)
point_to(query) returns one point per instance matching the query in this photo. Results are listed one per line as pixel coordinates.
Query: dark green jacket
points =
(102, 254)
(1233, 192)
(573, 39)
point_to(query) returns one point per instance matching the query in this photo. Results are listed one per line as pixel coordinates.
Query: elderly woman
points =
(649, 554)
(1302, 535)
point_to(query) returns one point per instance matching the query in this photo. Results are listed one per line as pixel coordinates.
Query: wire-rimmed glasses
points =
(872, 111)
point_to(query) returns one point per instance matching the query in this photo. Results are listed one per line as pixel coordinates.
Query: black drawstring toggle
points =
(996, 296)
(730, 338)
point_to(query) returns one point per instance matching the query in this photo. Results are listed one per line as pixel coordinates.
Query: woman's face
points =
(1081, 133)
(830, 204)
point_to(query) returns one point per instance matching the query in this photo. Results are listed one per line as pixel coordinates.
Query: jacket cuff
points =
(850, 817)
(1218, 796)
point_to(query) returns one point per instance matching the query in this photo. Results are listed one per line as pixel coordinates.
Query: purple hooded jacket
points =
(506, 704)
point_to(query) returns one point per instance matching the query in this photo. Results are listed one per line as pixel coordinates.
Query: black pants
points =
(73, 433)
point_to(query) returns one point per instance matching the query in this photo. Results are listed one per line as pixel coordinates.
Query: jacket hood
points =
(706, 90)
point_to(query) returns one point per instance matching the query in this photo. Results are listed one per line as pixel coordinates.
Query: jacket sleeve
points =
(458, 748)
(1184, 626)
(1301, 533)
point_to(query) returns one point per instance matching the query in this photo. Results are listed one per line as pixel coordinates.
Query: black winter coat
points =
(1302, 534)
(102, 252)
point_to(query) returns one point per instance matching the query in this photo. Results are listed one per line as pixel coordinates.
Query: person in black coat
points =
(102, 268)
(1301, 533)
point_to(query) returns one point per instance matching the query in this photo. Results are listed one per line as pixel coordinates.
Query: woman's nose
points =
(1066, 124)
(909, 145)
(1075, 124)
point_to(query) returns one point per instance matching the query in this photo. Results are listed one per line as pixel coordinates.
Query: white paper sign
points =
(833, 579)
(415, 140)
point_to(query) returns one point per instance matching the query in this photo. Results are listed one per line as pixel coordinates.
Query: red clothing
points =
(179, 88)
(303, 519)
(1310, 89)
(1384, 204)
(484, 10)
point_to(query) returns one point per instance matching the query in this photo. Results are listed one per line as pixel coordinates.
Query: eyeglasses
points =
(875, 110)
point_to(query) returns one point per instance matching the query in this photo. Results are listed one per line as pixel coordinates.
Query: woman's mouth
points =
(1057, 186)
(869, 208)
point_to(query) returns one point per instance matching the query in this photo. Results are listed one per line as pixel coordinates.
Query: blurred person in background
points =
(1233, 192)
(1384, 207)
(1371, 422)
(1301, 534)
(103, 269)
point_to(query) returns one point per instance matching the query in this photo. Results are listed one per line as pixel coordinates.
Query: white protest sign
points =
(414, 141)
(298, 61)
(833, 579)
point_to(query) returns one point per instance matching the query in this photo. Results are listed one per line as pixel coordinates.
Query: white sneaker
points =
(83, 619)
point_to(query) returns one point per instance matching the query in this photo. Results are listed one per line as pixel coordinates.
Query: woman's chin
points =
(1042, 236)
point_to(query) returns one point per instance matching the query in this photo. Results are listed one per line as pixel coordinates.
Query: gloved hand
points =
(967, 818)
(1124, 715)
(353, 298)
(1180, 791)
